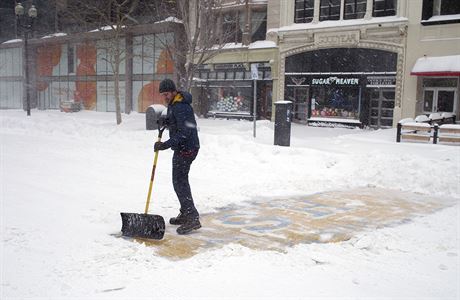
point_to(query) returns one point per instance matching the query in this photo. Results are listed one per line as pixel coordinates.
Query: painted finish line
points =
(276, 224)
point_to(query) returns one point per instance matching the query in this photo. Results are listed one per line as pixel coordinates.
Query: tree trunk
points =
(117, 84)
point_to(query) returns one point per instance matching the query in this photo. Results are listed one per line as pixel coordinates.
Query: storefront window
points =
(230, 93)
(335, 102)
(439, 100)
(221, 75)
(342, 60)
(227, 98)
(212, 75)
(439, 94)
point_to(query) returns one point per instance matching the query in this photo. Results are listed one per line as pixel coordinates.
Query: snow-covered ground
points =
(66, 177)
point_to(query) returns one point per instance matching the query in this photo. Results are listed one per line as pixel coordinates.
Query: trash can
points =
(283, 116)
(153, 116)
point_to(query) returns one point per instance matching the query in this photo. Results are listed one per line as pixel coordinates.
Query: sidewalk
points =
(276, 224)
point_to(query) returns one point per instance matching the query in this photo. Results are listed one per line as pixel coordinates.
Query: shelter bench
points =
(449, 133)
(420, 132)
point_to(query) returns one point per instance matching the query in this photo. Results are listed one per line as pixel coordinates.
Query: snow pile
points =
(170, 19)
(426, 64)
(58, 34)
(341, 23)
(66, 177)
(12, 41)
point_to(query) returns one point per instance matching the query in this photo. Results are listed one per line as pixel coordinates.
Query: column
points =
(316, 11)
(369, 7)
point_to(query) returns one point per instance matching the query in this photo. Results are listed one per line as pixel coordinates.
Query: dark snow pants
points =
(181, 163)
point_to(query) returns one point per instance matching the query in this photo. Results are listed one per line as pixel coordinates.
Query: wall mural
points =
(48, 57)
(86, 91)
(66, 74)
(149, 93)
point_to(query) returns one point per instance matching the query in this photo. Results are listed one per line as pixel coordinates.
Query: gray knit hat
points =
(167, 85)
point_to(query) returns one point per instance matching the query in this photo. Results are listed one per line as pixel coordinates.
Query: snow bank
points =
(66, 177)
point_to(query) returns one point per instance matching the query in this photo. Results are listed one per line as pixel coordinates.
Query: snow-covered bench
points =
(448, 118)
(436, 118)
(439, 118)
(409, 129)
(449, 133)
(419, 119)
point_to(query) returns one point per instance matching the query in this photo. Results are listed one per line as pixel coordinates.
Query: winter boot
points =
(179, 220)
(192, 223)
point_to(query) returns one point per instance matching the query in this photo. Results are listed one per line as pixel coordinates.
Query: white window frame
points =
(437, 7)
(368, 14)
(436, 91)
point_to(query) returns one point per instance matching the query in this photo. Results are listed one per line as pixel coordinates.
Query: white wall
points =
(11, 89)
(432, 40)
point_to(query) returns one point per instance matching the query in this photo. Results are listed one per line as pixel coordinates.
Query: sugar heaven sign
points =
(334, 80)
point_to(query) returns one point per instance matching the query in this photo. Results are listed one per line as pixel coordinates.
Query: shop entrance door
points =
(264, 100)
(301, 95)
(382, 103)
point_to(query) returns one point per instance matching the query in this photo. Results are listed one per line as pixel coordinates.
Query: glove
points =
(159, 146)
(162, 121)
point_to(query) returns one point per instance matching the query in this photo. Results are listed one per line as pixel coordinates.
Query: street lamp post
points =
(26, 23)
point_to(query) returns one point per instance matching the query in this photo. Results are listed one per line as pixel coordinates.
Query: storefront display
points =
(230, 99)
(331, 97)
(229, 89)
(336, 101)
(337, 89)
(230, 104)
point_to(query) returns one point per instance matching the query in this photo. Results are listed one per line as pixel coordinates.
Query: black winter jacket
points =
(183, 133)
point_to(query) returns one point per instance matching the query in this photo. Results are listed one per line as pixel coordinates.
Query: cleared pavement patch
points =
(276, 224)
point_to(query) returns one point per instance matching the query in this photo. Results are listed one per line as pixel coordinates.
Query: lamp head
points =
(32, 12)
(19, 9)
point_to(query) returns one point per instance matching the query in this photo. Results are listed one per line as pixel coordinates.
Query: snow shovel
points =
(145, 225)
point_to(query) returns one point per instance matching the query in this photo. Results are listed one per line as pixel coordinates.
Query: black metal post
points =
(398, 133)
(26, 70)
(283, 118)
(26, 22)
(435, 133)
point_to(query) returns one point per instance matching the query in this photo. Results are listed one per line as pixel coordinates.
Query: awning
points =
(437, 66)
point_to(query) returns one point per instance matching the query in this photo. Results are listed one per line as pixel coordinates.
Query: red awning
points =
(437, 66)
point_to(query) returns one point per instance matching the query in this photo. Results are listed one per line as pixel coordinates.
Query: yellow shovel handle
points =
(152, 176)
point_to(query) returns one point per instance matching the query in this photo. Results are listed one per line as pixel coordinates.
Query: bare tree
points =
(112, 18)
(202, 37)
(196, 42)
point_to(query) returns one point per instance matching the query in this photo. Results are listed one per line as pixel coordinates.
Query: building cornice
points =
(97, 35)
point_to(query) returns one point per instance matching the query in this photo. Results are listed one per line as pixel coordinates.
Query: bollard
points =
(153, 115)
(283, 117)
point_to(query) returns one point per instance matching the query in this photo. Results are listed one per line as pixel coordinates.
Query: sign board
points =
(381, 81)
(228, 66)
(334, 38)
(254, 72)
(335, 80)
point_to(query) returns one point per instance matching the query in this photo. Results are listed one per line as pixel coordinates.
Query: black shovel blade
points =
(142, 226)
